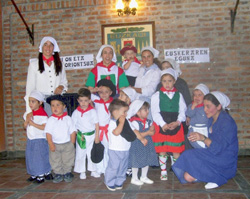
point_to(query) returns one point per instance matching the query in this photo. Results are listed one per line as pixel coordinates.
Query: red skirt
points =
(169, 143)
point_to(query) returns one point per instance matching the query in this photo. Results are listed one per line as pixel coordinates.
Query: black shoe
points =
(49, 177)
(39, 180)
(31, 179)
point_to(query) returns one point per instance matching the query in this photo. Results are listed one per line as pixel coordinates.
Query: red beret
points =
(128, 47)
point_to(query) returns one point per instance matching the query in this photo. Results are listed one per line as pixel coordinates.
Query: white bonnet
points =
(171, 72)
(52, 40)
(99, 54)
(152, 50)
(203, 88)
(222, 98)
(134, 108)
(130, 92)
(175, 65)
(37, 95)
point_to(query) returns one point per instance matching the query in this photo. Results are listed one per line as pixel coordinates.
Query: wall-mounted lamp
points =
(130, 7)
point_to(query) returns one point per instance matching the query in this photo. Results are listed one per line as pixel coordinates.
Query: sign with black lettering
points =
(78, 61)
(189, 55)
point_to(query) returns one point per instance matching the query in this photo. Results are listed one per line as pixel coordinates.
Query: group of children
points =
(121, 125)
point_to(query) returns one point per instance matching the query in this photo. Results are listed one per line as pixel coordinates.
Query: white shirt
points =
(133, 69)
(155, 110)
(85, 123)
(35, 133)
(148, 80)
(45, 82)
(60, 130)
(103, 116)
(117, 143)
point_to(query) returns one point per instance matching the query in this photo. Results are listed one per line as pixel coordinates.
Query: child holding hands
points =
(60, 133)
(37, 150)
(141, 156)
(85, 121)
(168, 112)
(198, 118)
(131, 64)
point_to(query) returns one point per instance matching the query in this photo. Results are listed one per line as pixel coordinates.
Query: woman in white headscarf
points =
(217, 163)
(149, 74)
(106, 68)
(46, 74)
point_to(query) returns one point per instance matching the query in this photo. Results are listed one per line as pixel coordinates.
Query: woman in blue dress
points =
(217, 163)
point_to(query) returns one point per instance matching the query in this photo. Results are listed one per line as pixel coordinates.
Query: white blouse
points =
(45, 82)
(148, 80)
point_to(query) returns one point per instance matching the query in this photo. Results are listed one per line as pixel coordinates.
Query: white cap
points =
(37, 95)
(52, 40)
(152, 50)
(175, 65)
(134, 108)
(170, 71)
(222, 98)
(99, 54)
(130, 92)
(203, 88)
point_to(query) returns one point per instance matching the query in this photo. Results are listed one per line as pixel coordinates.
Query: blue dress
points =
(141, 156)
(218, 162)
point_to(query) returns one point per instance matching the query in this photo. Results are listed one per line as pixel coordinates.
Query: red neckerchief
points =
(48, 61)
(165, 90)
(199, 105)
(39, 112)
(60, 117)
(104, 131)
(135, 60)
(140, 120)
(108, 67)
(84, 111)
(101, 101)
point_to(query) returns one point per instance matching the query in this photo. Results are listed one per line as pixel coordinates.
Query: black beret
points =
(109, 84)
(127, 133)
(97, 152)
(55, 97)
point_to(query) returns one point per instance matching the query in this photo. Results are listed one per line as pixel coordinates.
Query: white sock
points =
(144, 171)
(135, 173)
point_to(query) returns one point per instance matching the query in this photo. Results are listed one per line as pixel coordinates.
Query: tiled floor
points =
(13, 185)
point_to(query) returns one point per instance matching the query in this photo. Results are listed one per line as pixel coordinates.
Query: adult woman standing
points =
(149, 74)
(106, 68)
(217, 163)
(46, 74)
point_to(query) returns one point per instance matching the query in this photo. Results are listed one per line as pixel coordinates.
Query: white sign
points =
(189, 55)
(78, 61)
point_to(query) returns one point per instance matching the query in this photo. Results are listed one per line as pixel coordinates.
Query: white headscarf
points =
(37, 95)
(99, 54)
(130, 92)
(52, 40)
(134, 108)
(222, 98)
(203, 88)
(175, 65)
(170, 71)
(152, 50)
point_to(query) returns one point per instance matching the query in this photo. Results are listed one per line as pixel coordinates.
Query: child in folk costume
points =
(86, 122)
(60, 133)
(131, 64)
(195, 111)
(119, 144)
(106, 91)
(168, 111)
(106, 68)
(141, 156)
(128, 95)
(37, 150)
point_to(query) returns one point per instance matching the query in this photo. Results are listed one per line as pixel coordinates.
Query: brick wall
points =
(76, 25)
